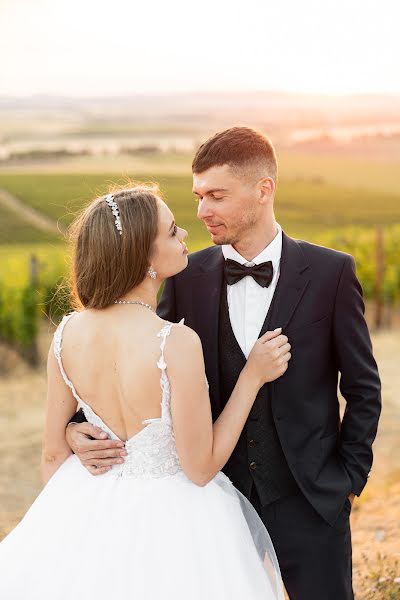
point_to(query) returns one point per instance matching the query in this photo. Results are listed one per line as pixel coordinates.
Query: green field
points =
(61, 196)
(303, 207)
(380, 175)
(15, 259)
(320, 203)
(14, 230)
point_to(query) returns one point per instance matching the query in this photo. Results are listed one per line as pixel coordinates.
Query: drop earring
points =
(152, 272)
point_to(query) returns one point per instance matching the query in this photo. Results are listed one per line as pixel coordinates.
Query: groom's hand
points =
(351, 498)
(93, 448)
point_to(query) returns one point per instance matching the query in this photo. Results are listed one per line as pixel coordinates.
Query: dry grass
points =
(375, 516)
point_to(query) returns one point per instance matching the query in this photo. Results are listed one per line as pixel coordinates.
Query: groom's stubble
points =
(240, 230)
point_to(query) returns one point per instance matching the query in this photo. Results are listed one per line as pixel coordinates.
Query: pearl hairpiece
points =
(114, 207)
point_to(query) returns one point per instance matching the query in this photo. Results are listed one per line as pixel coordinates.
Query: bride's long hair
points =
(106, 265)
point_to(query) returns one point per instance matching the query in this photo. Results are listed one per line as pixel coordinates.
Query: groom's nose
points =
(203, 210)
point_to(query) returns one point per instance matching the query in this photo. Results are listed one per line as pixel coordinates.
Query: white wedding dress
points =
(142, 531)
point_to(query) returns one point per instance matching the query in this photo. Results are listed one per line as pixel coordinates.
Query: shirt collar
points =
(271, 252)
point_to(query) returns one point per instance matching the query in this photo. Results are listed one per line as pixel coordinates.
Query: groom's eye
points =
(175, 230)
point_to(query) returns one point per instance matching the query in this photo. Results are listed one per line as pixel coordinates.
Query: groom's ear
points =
(266, 188)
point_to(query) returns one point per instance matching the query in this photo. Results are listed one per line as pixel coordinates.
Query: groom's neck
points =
(256, 241)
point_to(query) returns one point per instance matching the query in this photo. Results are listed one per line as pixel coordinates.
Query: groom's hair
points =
(248, 152)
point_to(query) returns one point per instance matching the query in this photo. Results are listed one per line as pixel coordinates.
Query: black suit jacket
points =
(318, 302)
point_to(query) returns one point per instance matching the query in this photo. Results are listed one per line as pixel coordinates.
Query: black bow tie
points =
(261, 273)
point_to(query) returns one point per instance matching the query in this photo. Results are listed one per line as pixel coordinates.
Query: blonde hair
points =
(107, 265)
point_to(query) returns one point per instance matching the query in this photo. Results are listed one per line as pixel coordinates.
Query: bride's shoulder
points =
(75, 316)
(75, 320)
(182, 336)
(64, 320)
(184, 352)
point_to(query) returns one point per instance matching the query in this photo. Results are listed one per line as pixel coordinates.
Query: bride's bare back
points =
(111, 356)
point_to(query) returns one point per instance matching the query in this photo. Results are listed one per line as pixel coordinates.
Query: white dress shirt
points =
(248, 302)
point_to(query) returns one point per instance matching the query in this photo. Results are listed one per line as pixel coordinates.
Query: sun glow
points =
(75, 47)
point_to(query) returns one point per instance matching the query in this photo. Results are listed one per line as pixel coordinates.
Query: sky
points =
(118, 47)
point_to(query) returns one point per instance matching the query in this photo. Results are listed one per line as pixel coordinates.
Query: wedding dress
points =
(142, 531)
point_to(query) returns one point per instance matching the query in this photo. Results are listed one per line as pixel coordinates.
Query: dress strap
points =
(57, 352)
(161, 364)
(89, 413)
(164, 333)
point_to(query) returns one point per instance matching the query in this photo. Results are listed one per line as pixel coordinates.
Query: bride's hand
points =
(269, 357)
(93, 448)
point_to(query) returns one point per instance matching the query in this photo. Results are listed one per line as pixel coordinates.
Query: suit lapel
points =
(292, 283)
(207, 287)
(207, 297)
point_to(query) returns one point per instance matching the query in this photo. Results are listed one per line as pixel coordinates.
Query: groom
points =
(295, 460)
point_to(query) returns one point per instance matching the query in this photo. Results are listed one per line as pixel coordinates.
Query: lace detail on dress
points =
(152, 451)
(164, 381)
(157, 455)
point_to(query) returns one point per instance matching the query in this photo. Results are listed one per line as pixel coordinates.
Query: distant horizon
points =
(193, 92)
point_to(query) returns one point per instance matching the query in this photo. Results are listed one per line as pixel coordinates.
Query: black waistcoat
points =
(258, 455)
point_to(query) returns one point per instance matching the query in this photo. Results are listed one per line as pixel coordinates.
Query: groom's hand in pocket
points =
(93, 447)
(351, 498)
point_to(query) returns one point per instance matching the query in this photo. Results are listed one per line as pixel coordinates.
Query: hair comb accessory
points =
(114, 207)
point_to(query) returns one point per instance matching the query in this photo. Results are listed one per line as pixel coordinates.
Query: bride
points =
(165, 522)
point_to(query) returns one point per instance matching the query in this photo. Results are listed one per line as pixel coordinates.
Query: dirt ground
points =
(375, 515)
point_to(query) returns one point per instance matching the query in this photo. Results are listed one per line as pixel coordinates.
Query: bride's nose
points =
(184, 233)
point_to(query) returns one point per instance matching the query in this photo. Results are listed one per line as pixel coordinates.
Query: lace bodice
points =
(152, 451)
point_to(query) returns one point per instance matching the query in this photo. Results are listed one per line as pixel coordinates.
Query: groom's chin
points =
(218, 240)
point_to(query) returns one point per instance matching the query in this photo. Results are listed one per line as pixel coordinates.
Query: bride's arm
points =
(204, 447)
(61, 405)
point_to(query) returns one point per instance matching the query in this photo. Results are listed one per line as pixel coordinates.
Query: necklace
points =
(135, 302)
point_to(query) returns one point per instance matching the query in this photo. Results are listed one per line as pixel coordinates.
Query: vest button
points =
(253, 465)
(252, 443)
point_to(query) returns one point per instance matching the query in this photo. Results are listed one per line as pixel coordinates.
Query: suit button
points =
(253, 465)
(252, 443)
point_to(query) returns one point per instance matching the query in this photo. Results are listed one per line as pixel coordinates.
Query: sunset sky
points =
(97, 47)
